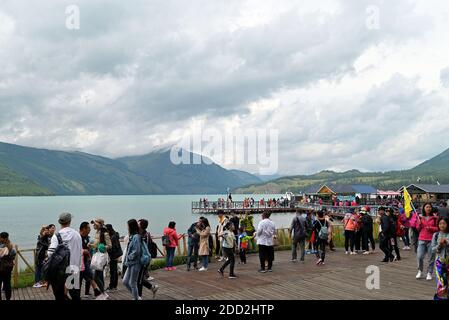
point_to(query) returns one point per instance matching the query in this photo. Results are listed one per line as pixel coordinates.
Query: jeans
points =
(113, 266)
(142, 281)
(193, 252)
(5, 280)
(131, 278)
(424, 247)
(302, 247)
(170, 257)
(266, 253)
(205, 261)
(406, 237)
(38, 271)
(349, 240)
(229, 252)
(99, 279)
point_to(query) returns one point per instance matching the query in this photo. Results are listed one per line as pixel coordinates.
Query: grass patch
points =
(25, 279)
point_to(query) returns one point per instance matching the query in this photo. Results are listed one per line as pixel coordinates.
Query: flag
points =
(408, 205)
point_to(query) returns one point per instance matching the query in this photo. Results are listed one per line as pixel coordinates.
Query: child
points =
(244, 239)
(440, 242)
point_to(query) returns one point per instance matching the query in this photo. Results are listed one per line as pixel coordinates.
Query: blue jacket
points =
(134, 251)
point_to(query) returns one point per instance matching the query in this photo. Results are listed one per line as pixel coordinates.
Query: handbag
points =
(99, 261)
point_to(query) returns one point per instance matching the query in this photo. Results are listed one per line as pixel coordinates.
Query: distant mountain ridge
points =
(32, 171)
(431, 171)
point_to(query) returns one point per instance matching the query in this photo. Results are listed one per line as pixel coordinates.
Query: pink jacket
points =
(427, 228)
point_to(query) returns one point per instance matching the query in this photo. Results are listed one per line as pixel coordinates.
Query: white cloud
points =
(137, 76)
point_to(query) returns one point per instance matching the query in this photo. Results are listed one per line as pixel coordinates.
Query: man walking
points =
(298, 227)
(265, 234)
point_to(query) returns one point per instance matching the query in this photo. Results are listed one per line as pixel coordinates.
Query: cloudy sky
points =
(346, 84)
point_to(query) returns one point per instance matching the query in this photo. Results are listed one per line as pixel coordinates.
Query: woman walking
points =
(203, 229)
(228, 240)
(322, 236)
(7, 256)
(426, 225)
(350, 225)
(114, 255)
(171, 241)
(440, 247)
(132, 259)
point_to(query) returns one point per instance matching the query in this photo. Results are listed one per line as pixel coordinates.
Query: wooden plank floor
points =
(342, 278)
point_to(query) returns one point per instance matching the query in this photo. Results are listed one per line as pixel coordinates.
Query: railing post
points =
(16, 268)
(184, 242)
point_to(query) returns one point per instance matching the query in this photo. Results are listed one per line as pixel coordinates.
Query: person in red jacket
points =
(427, 226)
(173, 239)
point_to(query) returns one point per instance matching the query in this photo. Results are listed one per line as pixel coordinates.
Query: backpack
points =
(302, 231)
(166, 240)
(323, 234)
(56, 266)
(145, 257)
(116, 251)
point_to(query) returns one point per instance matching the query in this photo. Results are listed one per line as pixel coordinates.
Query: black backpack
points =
(55, 267)
(152, 246)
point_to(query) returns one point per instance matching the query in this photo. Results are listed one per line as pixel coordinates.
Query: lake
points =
(22, 217)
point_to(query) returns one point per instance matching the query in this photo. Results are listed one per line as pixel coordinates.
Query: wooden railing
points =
(283, 235)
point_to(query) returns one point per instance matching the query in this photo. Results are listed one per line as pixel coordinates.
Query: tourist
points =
(114, 255)
(203, 229)
(102, 243)
(222, 221)
(443, 210)
(440, 247)
(7, 257)
(358, 232)
(350, 225)
(74, 243)
(310, 238)
(386, 230)
(171, 243)
(426, 225)
(86, 271)
(265, 234)
(405, 226)
(228, 240)
(193, 243)
(298, 228)
(367, 232)
(330, 222)
(144, 275)
(322, 236)
(236, 222)
(132, 259)
(398, 232)
(414, 233)
(248, 223)
(43, 242)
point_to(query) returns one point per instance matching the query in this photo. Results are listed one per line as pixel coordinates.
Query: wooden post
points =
(184, 242)
(16, 268)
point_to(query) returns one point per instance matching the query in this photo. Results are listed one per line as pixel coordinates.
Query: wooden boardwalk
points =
(342, 278)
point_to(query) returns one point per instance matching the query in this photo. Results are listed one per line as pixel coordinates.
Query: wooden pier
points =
(342, 278)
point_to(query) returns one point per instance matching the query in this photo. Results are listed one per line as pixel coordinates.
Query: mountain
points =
(430, 171)
(187, 178)
(32, 171)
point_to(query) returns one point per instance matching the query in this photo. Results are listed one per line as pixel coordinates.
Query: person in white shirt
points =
(266, 232)
(74, 242)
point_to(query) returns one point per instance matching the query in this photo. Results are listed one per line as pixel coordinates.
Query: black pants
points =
(58, 288)
(242, 254)
(266, 254)
(142, 281)
(358, 240)
(395, 247)
(113, 268)
(99, 279)
(217, 247)
(5, 280)
(368, 237)
(192, 255)
(385, 246)
(406, 237)
(321, 249)
(230, 262)
(86, 275)
(415, 236)
(349, 240)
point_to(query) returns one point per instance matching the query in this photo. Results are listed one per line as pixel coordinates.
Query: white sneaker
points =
(140, 299)
(347, 252)
(102, 296)
(150, 279)
(429, 277)
(221, 259)
(366, 252)
(353, 253)
(38, 285)
(419, 275)
(203, 269)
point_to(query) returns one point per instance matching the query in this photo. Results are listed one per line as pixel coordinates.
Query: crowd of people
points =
(62, 253)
